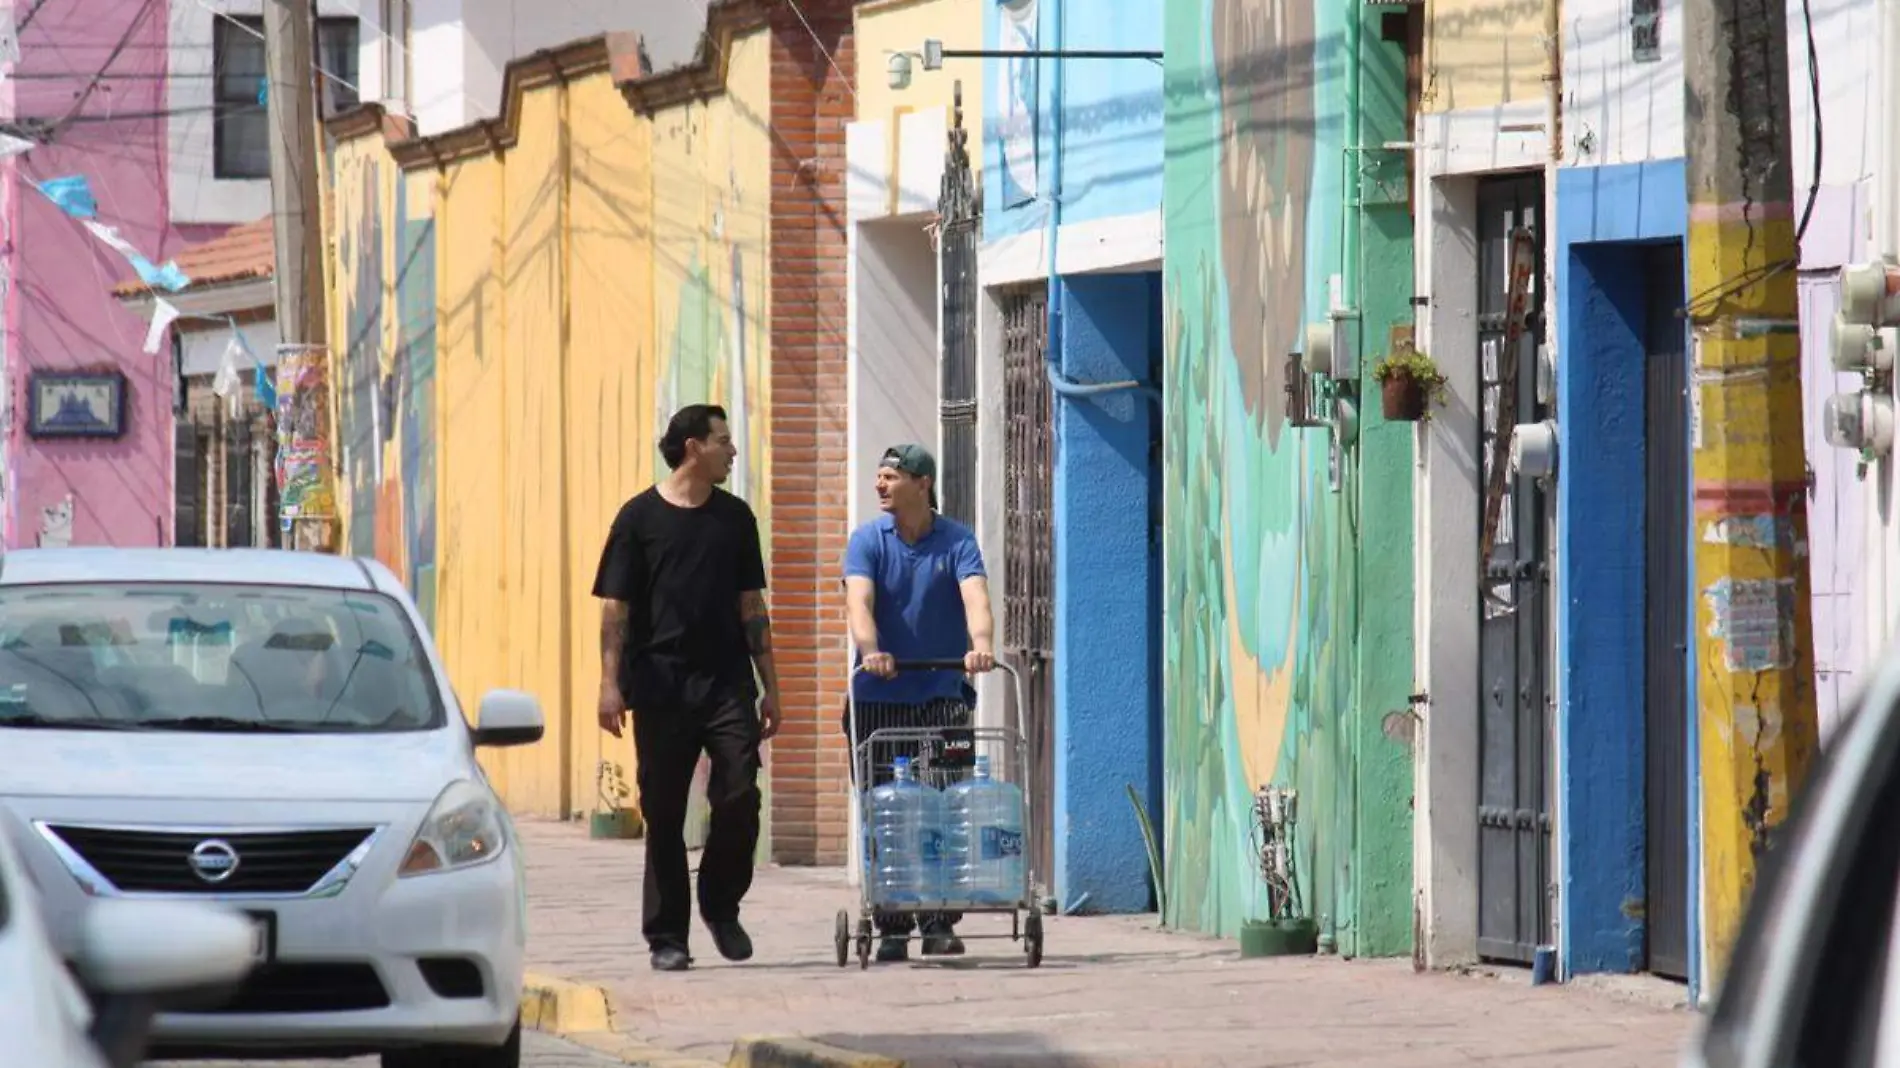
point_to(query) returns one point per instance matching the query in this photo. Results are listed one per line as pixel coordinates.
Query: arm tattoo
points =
(613, 628)
(758, 624)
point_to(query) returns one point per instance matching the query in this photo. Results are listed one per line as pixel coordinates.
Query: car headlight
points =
(464, 828)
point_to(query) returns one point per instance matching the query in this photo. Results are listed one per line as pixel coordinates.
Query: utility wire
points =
(27, 19)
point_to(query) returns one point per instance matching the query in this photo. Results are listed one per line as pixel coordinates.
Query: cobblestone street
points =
(1111, 991)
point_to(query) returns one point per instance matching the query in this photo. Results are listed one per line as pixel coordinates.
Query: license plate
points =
(263, 937)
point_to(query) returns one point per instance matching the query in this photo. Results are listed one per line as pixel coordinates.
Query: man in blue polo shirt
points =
(915, 589)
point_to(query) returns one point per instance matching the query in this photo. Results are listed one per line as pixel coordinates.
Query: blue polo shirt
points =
(918, 604)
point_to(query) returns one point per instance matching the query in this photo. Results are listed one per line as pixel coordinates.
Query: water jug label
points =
(999, 843)
(933, 846)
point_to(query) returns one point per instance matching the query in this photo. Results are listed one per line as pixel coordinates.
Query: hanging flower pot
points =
(1403, 398)
(1408, 381)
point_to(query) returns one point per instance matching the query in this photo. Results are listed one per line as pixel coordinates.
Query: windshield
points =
(211, 657)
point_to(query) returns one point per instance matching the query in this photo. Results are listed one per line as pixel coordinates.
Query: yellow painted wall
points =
(901, 26)
(1481, 53)
(602, 271)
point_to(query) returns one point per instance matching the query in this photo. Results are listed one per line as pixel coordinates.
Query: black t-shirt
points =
(681, 571)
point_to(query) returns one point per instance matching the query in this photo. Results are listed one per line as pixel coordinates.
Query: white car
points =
(273, 731)
(133, 953)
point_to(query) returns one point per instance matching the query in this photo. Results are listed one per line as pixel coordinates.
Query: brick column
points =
(811, 103)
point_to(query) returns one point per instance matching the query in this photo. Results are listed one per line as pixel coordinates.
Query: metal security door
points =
(959, 209)
(1666, 619)
(1029, 629)
(1513, 804)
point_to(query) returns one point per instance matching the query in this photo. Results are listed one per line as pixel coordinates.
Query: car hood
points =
(235, 767)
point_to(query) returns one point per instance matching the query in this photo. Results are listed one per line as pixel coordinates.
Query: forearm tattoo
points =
(613, 628)
(758, 624)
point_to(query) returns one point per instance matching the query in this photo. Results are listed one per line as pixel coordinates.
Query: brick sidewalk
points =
(1111, 990)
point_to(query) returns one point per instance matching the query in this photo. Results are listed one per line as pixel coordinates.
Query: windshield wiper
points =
(219, 723)
(32, 720)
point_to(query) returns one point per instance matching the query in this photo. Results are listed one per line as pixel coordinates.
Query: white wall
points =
(197, 194)
(203, 350)
(893, 363)
(459, 49)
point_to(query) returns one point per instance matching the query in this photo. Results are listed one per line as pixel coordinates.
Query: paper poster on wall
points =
(303, 401)
(1017, 91)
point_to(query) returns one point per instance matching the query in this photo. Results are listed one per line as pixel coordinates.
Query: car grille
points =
(311, 986)
(272, 862)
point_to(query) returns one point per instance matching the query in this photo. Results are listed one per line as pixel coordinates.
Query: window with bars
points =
(241, 126)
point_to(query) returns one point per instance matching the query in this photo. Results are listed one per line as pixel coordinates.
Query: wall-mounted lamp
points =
(898, 67)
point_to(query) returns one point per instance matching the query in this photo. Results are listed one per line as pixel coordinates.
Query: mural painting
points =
(386, 280)
(1258, 664)
(713, 352)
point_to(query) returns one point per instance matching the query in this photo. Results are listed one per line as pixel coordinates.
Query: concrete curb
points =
(560, 1007)
(583, 1015)
(801, 1053)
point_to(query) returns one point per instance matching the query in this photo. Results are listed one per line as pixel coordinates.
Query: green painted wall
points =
(1276, 670)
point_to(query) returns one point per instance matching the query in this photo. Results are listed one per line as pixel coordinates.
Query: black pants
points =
(667, 743)
(943, 712)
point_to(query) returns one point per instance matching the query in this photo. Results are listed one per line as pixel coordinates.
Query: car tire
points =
(506, 1055)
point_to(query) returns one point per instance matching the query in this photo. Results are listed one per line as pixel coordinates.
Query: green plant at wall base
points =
(1412, 363)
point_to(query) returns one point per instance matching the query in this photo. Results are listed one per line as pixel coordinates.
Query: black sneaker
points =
(671, 959)
(940, 940)
(891, 949)
(733, 942)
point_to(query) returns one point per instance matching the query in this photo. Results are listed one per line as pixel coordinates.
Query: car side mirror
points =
(507, 718)
(132, 954)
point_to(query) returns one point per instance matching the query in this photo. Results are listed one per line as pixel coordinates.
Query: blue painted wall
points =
(1605, 218)
(1108, 611)
(1108, 121)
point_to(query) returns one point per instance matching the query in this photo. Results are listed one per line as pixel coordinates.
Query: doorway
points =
(1513, 628)
(1666, 547)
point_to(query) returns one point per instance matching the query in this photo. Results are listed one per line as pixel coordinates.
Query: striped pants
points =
(874, 716)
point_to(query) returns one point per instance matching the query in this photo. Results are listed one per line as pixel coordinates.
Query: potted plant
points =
(1408, 379)
(613, 819)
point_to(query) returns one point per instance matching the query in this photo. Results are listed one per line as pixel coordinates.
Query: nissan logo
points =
(213, 860)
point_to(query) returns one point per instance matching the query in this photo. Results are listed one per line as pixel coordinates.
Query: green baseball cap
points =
(913, 460)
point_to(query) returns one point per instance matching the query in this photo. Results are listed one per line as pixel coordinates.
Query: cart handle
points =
(942, 665)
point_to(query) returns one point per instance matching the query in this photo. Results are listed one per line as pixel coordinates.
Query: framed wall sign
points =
(69, 404)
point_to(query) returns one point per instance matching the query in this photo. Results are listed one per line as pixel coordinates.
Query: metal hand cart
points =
(939, 756)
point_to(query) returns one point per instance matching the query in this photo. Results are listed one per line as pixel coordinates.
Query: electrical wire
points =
(27, 19)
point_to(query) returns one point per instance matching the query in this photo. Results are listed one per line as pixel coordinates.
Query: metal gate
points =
(1513, 650)
(1666, 619)
(960, 216)
(1029, 621)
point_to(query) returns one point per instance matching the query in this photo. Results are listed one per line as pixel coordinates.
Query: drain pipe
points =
(1546, 372)
(1052, 345)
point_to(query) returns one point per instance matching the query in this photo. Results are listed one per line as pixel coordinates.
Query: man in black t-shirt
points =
(683, 627)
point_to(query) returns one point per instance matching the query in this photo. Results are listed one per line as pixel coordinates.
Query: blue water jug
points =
(983, 850)
(906, 840)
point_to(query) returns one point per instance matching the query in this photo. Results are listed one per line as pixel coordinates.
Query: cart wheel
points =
(864, 944)
(843, 936)
(1032, 938)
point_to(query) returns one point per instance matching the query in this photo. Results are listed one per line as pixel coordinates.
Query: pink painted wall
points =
(61, 314)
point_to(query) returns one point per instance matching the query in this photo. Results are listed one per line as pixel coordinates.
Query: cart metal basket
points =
(940, 756)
